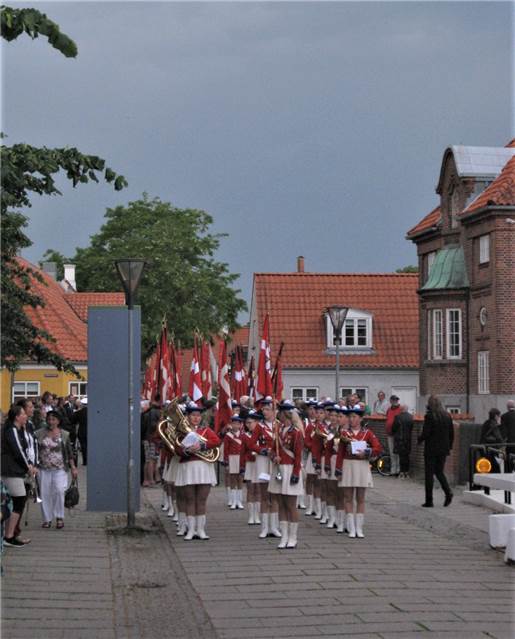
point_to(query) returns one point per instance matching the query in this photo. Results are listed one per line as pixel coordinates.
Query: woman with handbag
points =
(55, 460)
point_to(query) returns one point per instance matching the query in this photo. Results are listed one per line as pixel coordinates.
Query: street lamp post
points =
(130, 271)
(337, 315)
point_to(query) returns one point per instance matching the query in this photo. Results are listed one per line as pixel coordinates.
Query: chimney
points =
(69, 275)
(300, 264)
(50, 268)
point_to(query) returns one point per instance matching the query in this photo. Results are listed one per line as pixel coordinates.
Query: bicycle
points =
(382, 465)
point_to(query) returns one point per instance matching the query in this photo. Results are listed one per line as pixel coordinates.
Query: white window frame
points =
(453, 410)
(352, 316)
(484, 248)
(25, 394)
(483, 372)
(79, 395)
(364, 396)
(430, 260)
(450, 333)
(437, 332)
(304, 390)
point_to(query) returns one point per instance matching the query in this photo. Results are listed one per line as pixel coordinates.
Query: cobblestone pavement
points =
(417, 573)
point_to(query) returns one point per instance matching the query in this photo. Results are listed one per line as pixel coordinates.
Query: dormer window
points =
(356, 333)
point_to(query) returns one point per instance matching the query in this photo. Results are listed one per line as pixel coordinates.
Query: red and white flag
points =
(251, 387)
(165, 377)
(277, 375)
(223, 405)
(195, 385)
(239, 376)
(264, 376)
(175, 370)
(205, 371)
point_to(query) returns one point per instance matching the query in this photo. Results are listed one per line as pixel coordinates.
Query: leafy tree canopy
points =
(183, 280)
(25, 171)
(407, 269)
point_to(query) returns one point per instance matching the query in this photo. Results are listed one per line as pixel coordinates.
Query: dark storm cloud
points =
(314, 129)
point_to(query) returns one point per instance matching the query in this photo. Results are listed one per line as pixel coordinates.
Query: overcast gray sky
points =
(312, 129)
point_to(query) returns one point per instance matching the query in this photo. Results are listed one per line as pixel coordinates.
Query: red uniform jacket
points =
(364, 434)
(262, 438)
(212, 442)
(317, 443)
(308, 434)
(291, 445)
(232, 444)
(247, 452)
(330, 449)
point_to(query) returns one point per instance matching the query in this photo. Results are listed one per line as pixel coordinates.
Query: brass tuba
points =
(176, 426)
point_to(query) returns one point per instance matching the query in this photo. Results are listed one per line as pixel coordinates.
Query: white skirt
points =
(250, 472)
(195, 472)
(262, 466)
(310, 469)
(15, 486)
(234, 464)
(284, 487)
(170, 474)
(356, 474)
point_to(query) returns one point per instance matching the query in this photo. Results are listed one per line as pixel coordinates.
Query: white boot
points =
(351, 525)
(171, 509)
(274, 525)
(251, 519)
(309, 509)
(284, 534)
(264, 526)
(292, 535)
(229, 496)
(301, 502)
(257, 509)
(176, 510)
(164, 502)
(340, 521)
(318, 508)
(332, 516)
(191, 528)
(239, 497)
(182, 524)
(325, 515)
(232, 505)
(360, 520)
(201, 527)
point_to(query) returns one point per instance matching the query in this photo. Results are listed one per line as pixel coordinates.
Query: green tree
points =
(28, 170)
(184, 281)
(407, 269)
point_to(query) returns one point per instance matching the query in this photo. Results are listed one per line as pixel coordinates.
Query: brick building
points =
(466, 253)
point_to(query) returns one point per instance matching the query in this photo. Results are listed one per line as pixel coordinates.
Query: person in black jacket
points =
(491, 435)
(401, 431)
(508, 433)
(80, 417)
(438, 437)
(15, 465)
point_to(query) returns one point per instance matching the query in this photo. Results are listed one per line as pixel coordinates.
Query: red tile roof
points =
(58, 318)
(431, 219)
(80, 302)
(296, 303)
(500, 192)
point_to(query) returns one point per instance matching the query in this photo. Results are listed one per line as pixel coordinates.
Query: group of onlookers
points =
(38, 449)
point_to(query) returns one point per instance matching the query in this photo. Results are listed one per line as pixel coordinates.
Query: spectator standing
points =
(401, 430)
(508, 431)
(491, 435)
(55, 460)
(393, 410)
(29, 445)
(381, 405)
(46, 403)
(151, 420)
(438, 437)
(80, 418)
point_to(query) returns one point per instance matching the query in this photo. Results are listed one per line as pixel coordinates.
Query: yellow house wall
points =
(50, 379)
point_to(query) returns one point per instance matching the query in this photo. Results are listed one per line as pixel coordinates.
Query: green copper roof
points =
(448, 270)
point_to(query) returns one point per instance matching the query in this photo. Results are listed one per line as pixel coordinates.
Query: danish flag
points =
(195, 386)
(223, 405)
(264, 377)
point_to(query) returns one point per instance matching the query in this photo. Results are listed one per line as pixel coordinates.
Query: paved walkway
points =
(419, 572)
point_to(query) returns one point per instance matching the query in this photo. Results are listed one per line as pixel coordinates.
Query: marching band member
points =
(355, 476)
(310, 469)
(248, 467)
(317, 447)
(330, 452)
(287, 478)
(169, 463)
(343, 425)
(232, 450)
(195, 474)
(262, 442)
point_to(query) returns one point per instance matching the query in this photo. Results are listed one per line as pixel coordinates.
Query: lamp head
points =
(337, 315)
(130, 271)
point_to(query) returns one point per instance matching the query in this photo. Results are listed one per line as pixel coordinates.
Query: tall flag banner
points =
(223, 405)
(165, 388)
(176, 372)
(205, 371)
(264, 376)
(251, 388)
(213, 364)
(195, 385)
(239, 375)
(147, 382)
(277, 375)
